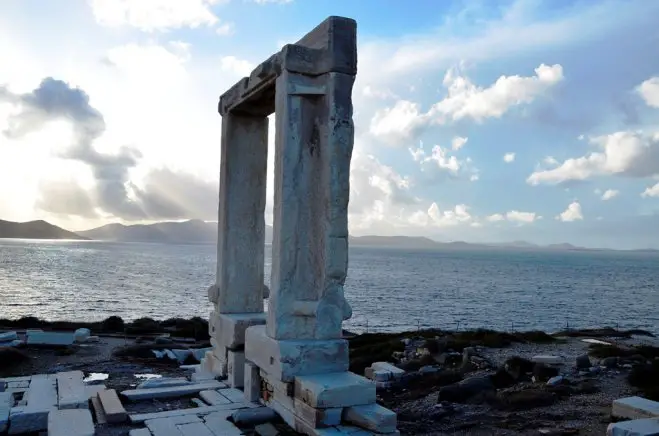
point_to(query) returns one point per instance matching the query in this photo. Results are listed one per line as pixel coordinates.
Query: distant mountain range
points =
(35, 230)
(197, 231)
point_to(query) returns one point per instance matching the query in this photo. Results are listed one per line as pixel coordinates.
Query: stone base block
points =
(212, 365)
(228, 329)
(372, 417)
(339, 389)
(236, 369)
(318, 418)
(286, 359)
(636, 427)
(635, 408)
(252, 383)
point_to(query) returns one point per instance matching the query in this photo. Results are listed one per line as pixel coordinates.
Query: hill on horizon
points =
(39, 229)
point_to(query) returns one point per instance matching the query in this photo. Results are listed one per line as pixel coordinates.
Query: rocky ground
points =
(476, 383)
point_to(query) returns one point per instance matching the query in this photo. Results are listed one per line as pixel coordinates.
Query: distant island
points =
(203, 232)
(35, 230)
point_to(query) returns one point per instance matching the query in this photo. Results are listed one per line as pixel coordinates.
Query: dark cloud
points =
(165, 195)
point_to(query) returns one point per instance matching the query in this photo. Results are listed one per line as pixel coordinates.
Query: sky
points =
(475, 120)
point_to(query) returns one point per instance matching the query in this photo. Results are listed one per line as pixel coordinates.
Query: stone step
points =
(71, 392)
(170, 392)
(199, 411)
(114, 410)
(372, 417)
(140, 432)
(70, 422)
(214, 397)
(98, 411)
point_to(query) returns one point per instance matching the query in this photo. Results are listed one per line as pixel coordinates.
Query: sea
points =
(389, 289)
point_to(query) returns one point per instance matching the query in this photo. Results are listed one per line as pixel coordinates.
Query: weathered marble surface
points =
(241, 225)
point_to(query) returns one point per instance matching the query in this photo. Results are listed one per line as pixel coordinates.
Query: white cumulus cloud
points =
(154, 15)
(458, 142)
(464, 99)
(522, 217)
(509, 157)
(652, 191)
(239, 67)
(440, 162)
(649, 90)
(609, 194)
(458, 215)
(572, 213)
(626, 153)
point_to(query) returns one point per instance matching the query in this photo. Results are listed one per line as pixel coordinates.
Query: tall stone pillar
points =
(238, 292)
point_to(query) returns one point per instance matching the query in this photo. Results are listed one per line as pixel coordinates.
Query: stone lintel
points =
(286, 359)
(330, 47)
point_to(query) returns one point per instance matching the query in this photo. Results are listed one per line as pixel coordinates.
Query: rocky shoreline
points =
(467, 382)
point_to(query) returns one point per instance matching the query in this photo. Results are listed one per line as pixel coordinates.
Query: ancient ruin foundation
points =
(293, 359)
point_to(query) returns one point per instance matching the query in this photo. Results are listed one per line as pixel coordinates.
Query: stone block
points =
(236, 369)
(341, 389)
(637, 427)
(99, 413)
(635, 408)
(71, 392)
(168, 426)
(40, 399)
(81, 335)
(194, 429)
(284, 360)
(49, 338)
(372, 417)
(318, 418)
(197, 411)
(231, 327)
(70, 423)
(252, 383)
(6, 402)
(388, 367)
(8, 336)
(217, 422)
(170, 392)
(164, 382)
(214, 397)
(139, 432)
(114, 410)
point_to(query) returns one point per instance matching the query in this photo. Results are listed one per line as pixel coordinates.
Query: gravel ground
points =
(583, 414)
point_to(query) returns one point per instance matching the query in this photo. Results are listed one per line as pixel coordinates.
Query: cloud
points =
(495, 218)
(649, 91)
(65, 197)
(509, 157)
(165, 194)
(265, 2)
(572, 213)
(452, 217)
(56, 100)
(522, 217)
(458, 142)
(652, 191)
(236, 66)
(404, 121)
(226, 29)
(625, 153)
(154, 15)
(609, 194)
(440, 163)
